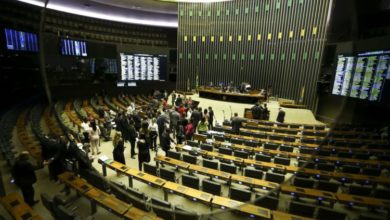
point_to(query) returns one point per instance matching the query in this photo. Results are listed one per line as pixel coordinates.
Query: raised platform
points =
(230, 96)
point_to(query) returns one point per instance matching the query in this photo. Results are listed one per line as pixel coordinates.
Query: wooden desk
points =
(107, 201)
(172, 162)
(310, 193)
(70, 180)
(17, 208)
(251, 210)
(229, 96)
(277, 215)
(137, 214)
(352, 200)
(193, 194)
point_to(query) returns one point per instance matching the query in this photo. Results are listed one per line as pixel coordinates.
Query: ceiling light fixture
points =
(89, 13)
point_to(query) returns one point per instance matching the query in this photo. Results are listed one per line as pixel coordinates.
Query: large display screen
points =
(136, 67)
(20, 40)
(73, 47)
(362, 76)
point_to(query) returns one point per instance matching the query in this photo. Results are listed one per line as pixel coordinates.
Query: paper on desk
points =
(187, 147)
(103, 158)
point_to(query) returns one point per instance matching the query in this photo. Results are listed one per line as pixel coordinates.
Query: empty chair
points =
(340, 144)
(270, 146)
(228, 168)
(211, 187)
(327, 213)
(246, 133)
(219, 138)
(362, 156)
(48, 203)
(174, 155)
(344, 154)
(152, 170)
(189, 159)
(350, 169)
(328, 186)
(241, 154)
(324, 153)
(307, 141)
(226, 151)
(210, 164)
(98, 181)
(368, 216)
(167, 174)
(309, 133)
(294, 126)
(206, 147)
(282, 161)
(303, 182)
(297, 208)
(236, 141)
(181, 213)
(319, 128)
(286, 148)
(260, 135)
(265, 129)
(325, 167)
(262, 157)
(276, 137)
(308, 165)
(308, 127)
(193, 143)
(240, 194)
(190, 181)
(360, 190)
(371, 171)
(273, 177)
(257, 174)
(251, 143)
(268, 202)
(382, 193)
(304, 150)
(282, 125)
(293, 132)
(162, 208)
(137, 198)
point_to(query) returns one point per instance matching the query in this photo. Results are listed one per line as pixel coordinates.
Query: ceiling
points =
(144, 12)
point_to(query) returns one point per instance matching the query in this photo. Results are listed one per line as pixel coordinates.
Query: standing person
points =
(24, 175)
(182, 111)
(178, 101)
(173, 98)
(180, 136)
(143, 145)
(211, 118)
(153, 129)
(206, 114)
(256, 112)
(196, 116)
(85, 127)
(265, 112)
(189, 130)
(94, 134)
(281, 115)
(203, 126)
(174, 120)
(161, 121)
(236, 124)
(166, 141)
(132, 138)
(119, 149)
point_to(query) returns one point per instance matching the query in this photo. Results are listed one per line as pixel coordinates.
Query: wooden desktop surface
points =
(108, 201)
(17, 208)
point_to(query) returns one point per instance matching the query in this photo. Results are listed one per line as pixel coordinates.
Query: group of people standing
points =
(260, 112)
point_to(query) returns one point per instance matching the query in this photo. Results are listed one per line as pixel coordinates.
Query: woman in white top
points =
(94, 135)
(153, 131)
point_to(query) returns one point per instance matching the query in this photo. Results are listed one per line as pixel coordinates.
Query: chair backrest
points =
(270, 146)
(206, 147)
(326, 213)
(167, 174)
(371, 171)
(304, 150)
(273, 177)
(368, 216)
(190, 181)
(193, 143)
(211, 187)
(360, 190)
(382, 193)
(268, 202)
(48, 203)
(228, 168)
(152, 170)
(281, 160)
(301, 209)
(351, 169)
(241, 154)
(137, 198)
(240, 194)
(262, 157)
(174, 155)
(257, 174)
(189, 159)
(325, 167)
(286, 148)
(63, 213)
(236, 141)
(162, 208)
(251, 143)
(276, 137)
(181, 213)
(210, 164)
(328, 186)
(219, 138)
(303, 182)
(226, 151)
(98, 181)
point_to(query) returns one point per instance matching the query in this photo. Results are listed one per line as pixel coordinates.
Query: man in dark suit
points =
(236, 123)
(281, 116)
(257, 112)
(24, 175)
(196, 116)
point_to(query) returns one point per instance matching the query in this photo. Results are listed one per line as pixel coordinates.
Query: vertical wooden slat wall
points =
(264, 42)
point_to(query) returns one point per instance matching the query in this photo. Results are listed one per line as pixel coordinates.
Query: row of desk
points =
(290, 169)
(17, 208)
(195, 195)
(319, 195)
(254, 150)
(103, 199)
